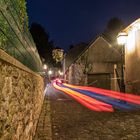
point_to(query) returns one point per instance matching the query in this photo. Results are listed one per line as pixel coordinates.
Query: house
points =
(95, 65)
(132, 57)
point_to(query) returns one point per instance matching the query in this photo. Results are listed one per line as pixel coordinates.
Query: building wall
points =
(99, 58)
(132, 62)
(21, 98)
(77, 75)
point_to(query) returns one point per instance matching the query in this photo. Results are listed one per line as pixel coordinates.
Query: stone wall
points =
(76, 74)
(21, 98)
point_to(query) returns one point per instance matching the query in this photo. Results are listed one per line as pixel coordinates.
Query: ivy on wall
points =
(19, 7)
(18, 10)
(3, 26)
(15, 38)
(23, 13)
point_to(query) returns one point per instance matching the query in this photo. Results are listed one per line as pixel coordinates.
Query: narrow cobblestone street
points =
(72, 121)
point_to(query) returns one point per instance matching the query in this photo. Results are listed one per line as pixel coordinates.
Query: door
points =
(100, 80)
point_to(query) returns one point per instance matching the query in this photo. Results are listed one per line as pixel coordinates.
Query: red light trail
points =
(98, 99)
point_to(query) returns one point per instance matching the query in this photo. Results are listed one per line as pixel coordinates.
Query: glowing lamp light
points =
(122, 37)
(60, 73)
(50, 72)
(131, 42)
(44, 66)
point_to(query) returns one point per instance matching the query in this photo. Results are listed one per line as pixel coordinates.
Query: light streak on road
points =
(100, 99)
(85, 100)
(118, 95)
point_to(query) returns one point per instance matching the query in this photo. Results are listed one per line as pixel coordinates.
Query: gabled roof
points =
(135, 24)
(77, 51)
(102, 51)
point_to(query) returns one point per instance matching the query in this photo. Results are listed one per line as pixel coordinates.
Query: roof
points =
(135, 24)
(100, 51)
(78, 50)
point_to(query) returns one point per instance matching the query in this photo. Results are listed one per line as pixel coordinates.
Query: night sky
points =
(73, 21)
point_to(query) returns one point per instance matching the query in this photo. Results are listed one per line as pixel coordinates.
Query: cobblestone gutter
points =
(21, 98)
(44, 128)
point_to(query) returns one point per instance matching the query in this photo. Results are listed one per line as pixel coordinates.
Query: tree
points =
(58, 54)
(71, 46)
(44, 45)
(114, 26)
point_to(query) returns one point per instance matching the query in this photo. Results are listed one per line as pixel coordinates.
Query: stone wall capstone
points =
(21, 99)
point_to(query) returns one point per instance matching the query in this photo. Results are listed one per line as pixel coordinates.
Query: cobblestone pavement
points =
(72, 121)
(44, 131)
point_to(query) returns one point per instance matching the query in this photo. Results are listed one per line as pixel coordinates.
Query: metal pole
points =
(64, 67)
(122, 69)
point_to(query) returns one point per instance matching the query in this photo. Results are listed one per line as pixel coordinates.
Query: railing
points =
(15, 38)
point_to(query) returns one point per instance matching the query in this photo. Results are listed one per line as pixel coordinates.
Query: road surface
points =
(70, 120)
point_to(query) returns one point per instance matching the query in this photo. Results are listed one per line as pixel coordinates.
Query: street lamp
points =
(60, 73)
(122, 37)
(49, 72)
(45, 67)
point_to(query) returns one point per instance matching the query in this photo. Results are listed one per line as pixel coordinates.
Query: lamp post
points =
(122, 36)
(49, 74)
(45, 67)
(64, 66)
(60, 73)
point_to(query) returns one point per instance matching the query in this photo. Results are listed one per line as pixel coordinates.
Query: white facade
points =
(132, 58)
